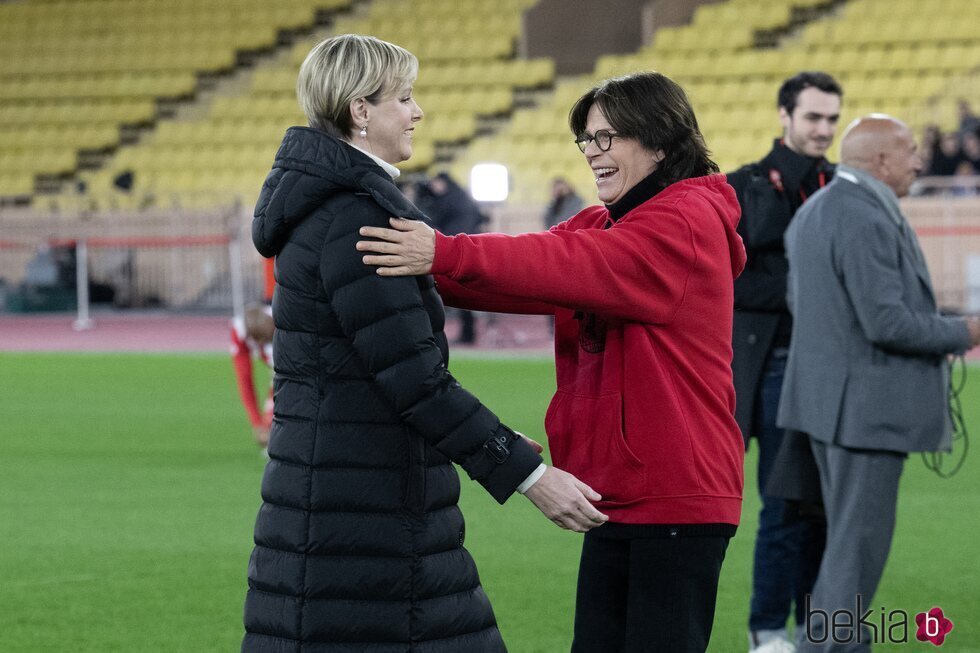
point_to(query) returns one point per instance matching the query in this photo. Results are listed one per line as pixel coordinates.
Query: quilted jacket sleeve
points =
(386, 321)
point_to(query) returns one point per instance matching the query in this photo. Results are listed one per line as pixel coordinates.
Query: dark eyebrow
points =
(813, 115)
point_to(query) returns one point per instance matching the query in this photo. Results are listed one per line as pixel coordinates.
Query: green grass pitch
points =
(129, 486)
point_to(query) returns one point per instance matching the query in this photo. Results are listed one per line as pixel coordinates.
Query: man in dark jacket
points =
(788, 548)
(450, 207)
(453, 212)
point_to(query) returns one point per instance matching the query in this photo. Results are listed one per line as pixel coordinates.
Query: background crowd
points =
(953, 153)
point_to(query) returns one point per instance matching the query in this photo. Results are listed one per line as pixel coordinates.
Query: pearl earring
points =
(363, 131)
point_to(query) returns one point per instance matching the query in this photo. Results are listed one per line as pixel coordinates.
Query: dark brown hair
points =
(790, 90)
(654, 110)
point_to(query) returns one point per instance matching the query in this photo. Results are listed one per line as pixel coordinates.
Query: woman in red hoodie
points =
(641, 289)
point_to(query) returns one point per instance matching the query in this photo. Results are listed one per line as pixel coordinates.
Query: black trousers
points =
(467, 332)
(647, 595)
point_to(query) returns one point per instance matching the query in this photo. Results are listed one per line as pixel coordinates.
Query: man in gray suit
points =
(867, 374)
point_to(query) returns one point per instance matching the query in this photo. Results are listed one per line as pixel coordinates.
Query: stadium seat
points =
(74, 72)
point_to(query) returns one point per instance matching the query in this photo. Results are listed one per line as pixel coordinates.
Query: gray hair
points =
(341, 69)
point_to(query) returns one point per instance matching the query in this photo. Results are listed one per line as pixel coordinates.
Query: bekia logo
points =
(933, 626)
(874, 626)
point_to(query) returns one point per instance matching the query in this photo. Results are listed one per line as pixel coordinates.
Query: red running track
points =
(162, 332)
(115, 332)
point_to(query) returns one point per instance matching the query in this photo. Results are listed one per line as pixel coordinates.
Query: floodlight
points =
(488, 182)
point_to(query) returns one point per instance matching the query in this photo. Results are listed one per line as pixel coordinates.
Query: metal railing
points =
(186, 260)
(203, 260)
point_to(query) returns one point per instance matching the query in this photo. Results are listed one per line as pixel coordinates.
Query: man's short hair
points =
(790, 91)
(341, 69)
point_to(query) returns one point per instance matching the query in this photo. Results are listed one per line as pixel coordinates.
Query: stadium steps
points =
(800, 15)
(234, 83)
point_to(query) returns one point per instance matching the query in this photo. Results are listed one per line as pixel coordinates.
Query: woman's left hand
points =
(406, 250)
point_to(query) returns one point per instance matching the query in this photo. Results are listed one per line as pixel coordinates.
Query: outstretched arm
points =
(637, 269)
(409, 249)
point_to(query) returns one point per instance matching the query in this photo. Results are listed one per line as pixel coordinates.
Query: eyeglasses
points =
(603, 140)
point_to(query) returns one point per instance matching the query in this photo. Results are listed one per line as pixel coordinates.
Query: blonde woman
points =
(359, 541)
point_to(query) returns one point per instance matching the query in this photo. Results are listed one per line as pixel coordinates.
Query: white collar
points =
(392, 171)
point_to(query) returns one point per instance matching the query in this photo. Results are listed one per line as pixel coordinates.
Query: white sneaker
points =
(775, 646)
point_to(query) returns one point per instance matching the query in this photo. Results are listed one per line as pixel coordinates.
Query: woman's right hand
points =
(566, 501)
(407, 249)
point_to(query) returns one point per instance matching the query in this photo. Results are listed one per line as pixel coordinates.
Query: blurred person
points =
(770, 191)
(410, 189)
(65, 256)
(565, 203)
(970, 149)
(641, 290)
(964, 181)
(969, 121)
(251, 337)
(451, 208)
(359, 541)
(453, 212)
(44, 270)
(930, 143)
(867, 373)
(946, 156)
(268, 280)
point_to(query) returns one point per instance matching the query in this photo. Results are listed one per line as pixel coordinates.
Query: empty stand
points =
(74, 72)
(468, 71)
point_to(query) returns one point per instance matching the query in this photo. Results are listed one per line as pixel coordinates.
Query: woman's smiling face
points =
(623, 166)
(391, 125)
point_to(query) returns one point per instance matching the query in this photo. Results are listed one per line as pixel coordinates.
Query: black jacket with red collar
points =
(769, 191)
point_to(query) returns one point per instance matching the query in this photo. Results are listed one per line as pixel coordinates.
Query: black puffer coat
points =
(359, 541)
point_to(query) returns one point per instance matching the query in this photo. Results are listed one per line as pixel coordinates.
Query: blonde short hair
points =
(341, 69)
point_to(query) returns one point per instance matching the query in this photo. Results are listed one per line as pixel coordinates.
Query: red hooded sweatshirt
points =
(644, 411)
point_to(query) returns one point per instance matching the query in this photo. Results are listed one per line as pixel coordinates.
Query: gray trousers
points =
(860, 495)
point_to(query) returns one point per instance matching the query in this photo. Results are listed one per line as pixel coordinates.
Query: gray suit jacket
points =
(867, 366)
